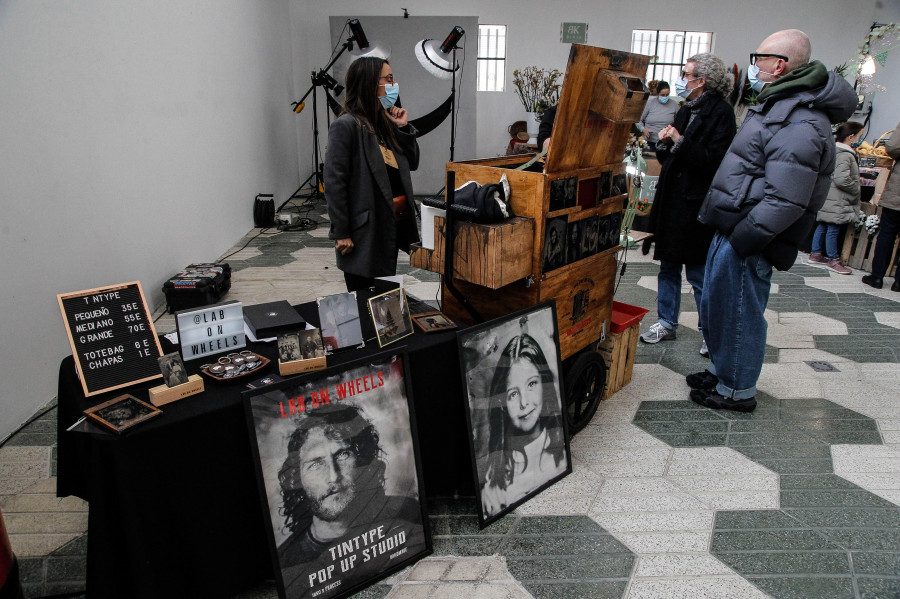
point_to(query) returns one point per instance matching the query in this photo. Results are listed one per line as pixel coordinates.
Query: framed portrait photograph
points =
(555, 243)
(604, 187)
(339, 471)
(289, 346)
(589, 235)
(311, 345)
(433, 322)
(574, 231)
(172, 368)
(557, 195)
(390, 314)
(511, 375)
(339, 319)
(619, 185)
(122, 413)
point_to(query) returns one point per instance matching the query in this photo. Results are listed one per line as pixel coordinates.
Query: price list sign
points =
(112, 336)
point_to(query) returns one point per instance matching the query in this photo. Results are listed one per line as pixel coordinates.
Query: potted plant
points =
(538, 90)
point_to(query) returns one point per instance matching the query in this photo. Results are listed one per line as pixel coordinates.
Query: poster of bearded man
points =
(340, 475)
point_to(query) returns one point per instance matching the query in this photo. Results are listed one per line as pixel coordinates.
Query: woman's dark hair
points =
(361, 100)
(846, 130)
(661, 86)
(502, 442)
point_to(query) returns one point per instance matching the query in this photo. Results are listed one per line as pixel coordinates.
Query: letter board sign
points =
(112, 336)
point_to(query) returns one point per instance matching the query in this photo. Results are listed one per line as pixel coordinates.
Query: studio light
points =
(437, 58)
(363, 46)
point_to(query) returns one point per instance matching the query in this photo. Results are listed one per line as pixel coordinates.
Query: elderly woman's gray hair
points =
(719, 80)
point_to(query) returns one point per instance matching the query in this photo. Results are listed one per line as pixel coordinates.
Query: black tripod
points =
(321, 78)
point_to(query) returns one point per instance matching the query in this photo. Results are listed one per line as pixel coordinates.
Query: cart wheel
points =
(585, 380)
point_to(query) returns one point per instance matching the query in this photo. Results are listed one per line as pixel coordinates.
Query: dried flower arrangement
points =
(537, 88)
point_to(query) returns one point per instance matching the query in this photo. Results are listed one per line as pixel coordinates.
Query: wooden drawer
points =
(492, 255)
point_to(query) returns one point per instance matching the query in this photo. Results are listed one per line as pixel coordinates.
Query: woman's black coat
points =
(685, 178)
(359, 199)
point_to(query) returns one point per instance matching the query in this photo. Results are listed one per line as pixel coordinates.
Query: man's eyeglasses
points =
(756, 56)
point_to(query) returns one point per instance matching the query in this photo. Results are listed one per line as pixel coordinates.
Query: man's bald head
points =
(792, 43)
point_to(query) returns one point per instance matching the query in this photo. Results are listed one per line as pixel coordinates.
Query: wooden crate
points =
(858, 248)
(618, 351)
(491, 255)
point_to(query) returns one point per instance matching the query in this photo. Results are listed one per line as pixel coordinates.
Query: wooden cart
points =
(500, 268)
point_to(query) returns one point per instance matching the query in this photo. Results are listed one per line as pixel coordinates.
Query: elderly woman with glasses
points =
(371, 150)
(689, 152)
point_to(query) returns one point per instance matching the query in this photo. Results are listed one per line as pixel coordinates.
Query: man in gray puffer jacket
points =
(763, 202)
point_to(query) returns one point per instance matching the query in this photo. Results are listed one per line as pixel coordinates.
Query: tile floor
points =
(667, 499)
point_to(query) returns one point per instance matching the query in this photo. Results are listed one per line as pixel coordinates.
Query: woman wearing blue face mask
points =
(371, 150)
(658, 113)
(842, 203)
(689, 152)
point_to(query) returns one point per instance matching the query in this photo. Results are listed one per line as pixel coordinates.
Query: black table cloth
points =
(174, 504)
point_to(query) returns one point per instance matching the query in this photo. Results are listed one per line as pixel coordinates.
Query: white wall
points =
(836, 27)
(133, 139)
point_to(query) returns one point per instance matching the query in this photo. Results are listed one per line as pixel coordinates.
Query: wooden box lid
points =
(582, 138)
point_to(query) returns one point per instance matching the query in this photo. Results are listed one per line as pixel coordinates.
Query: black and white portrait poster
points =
(511, 374)
(339, 469)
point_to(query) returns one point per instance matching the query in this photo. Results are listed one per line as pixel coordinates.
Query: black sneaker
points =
(711, 399)
(702, 380)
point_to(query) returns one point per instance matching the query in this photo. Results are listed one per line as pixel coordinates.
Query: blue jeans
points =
(733, 317)
(825, 240)
(668, 294)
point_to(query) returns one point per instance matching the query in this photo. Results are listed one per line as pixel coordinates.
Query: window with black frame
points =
(669, 50)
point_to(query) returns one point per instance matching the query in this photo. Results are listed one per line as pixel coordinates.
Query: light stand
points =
(321, 78)
(440, 61)
(636, 168)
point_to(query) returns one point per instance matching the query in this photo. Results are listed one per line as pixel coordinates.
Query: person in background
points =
(659, 112)
(890, 219)
(842, 202)
(763, 202)
(689, 151)
(371, 150)
(545, 130)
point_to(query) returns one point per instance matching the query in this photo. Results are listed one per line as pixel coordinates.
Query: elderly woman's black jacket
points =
(685, 178)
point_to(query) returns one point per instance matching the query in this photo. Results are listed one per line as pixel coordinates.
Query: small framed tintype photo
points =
(173, 371)
(433, 322)
(340, 476)
(122, 413)
(339, 317)
(289, 346)
(311, 345)
(555, 243)
(390, 313)
(517, 429)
